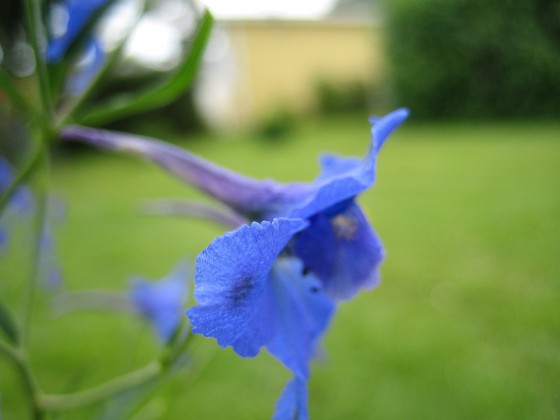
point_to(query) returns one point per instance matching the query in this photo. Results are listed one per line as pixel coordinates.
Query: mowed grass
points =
(465, 323)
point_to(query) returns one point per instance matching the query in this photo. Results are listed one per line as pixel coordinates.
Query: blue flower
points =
(275, 284)
(162, 304)
(68, 19)
(337, 231)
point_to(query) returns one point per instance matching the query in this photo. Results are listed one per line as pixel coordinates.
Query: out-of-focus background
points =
(466, 320)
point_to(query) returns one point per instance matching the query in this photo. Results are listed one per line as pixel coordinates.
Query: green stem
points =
(9, 351)
(22, 176)
(101, 392)
(39, 227)
(33, 18)
(179, 343)
(19, 359)
(149, 373)
(8, 324)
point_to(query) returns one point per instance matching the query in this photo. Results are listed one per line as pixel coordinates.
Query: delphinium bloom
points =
(275, 284)
(337, 225)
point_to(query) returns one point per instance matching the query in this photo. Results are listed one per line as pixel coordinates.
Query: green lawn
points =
(466, 321)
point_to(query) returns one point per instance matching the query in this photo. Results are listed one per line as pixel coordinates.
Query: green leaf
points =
(158, 94)
(8, 325)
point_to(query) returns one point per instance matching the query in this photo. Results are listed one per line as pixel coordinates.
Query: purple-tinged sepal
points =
(257, 199)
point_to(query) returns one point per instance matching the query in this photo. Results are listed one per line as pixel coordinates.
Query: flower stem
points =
(38, 230)
(33, 17)
(8, 324)
(22, 176)
(19, 359)
(101, 392)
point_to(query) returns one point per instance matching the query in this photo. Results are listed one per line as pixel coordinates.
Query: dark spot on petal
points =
(241, 289)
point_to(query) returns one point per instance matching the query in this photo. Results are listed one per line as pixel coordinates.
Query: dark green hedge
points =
(476, 58)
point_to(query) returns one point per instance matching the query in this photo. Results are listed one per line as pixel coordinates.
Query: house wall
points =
(278, 63)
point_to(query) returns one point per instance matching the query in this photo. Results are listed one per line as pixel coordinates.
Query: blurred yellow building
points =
(255, 67)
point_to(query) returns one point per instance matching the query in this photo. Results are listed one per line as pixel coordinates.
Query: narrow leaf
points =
(160, 93)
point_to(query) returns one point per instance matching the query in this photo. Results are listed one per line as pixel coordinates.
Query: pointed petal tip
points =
(399, 114)
(382, 127)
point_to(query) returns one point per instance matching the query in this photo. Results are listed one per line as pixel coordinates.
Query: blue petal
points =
(342, 178)
(248, 300)
(334, 166)
(230, 284)
(79, 12)
(292, 404)
(302, 314)
(342, 250)
(345, 177)
(381, 128)
(328, 195)
(162, 303)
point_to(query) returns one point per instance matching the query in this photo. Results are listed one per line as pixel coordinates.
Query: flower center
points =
(343, 226)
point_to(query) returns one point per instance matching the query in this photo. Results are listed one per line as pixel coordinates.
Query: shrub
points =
(476, 58)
